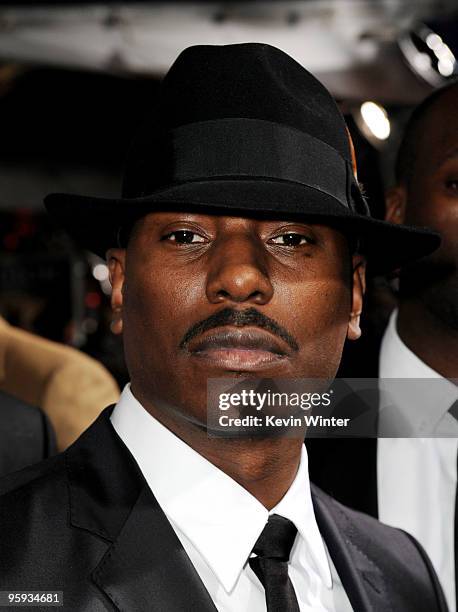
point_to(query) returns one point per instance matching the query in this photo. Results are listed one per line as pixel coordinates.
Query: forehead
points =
(439, 132)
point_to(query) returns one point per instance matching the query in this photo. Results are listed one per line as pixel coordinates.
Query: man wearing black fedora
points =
(238, 249)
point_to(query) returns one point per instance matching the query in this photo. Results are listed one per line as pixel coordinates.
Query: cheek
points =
(157, 314)
(329, 307)
(439, 211)
(429, 203)
(317, 304)
(159, 309)
(445, 221)
(320, 319)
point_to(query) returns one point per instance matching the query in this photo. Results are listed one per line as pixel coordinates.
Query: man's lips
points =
(239, 348)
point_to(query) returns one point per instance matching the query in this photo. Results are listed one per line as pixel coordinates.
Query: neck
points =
(429, 338)
(266, 468)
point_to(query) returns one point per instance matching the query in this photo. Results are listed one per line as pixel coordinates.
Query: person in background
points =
(411, 483)
(70, 387)
(26, 435)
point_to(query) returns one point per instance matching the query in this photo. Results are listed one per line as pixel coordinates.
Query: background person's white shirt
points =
(416, 477)
(218, 521)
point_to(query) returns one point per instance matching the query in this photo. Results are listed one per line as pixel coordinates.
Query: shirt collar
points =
(424, 403)
(220, 518)
(297, 506)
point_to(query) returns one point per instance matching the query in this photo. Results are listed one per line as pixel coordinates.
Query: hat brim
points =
(95, 222)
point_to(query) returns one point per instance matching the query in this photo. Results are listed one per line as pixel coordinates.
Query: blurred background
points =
(77, 77)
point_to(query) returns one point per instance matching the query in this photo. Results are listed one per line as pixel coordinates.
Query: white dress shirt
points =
(417, 476)
(218, 521)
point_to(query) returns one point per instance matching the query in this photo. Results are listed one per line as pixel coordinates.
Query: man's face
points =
(202, 296)
(431, 199)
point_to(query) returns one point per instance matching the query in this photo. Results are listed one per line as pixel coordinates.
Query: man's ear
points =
(116, 259)
(359, 287)
(395, 202)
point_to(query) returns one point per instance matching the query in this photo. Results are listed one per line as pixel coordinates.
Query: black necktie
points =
(273, 548)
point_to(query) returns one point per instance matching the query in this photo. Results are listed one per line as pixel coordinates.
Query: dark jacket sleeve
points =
(26, 435)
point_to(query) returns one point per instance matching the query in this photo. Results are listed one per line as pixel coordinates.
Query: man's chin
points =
(444, 306)
(434, 284)
(426, 275)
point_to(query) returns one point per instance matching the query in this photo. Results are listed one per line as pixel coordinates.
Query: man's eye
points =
(291, 239)
(452, 184)
(184, 237)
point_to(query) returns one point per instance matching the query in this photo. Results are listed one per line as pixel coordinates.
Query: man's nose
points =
(238, 272)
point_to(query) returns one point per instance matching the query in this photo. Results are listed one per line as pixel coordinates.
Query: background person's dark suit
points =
(26, 435)
(346, 468)
(395, 482)
(102, 538)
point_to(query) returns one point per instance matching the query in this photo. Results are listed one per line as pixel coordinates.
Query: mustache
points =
(239, 318)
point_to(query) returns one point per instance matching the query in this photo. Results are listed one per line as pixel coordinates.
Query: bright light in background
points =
(428, 54)
(376, 119)
(445, 57)
(100, 272)
(106, 286)
(434, 41)
(446, 67)
(446, 63)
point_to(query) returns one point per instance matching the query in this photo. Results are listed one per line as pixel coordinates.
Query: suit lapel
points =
(145, 567)
(361, 578)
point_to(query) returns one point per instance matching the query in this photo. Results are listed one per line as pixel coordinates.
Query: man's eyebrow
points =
(436, 164)
(452, 154)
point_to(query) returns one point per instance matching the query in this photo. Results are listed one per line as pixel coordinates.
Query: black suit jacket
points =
(85, 522)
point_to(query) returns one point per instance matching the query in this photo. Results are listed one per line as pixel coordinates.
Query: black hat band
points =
(256, 149)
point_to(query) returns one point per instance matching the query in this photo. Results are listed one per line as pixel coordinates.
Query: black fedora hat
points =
(242, 129)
